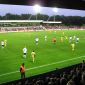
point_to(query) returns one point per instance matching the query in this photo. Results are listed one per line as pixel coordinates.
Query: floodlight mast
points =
(55, 10)
(37, 9)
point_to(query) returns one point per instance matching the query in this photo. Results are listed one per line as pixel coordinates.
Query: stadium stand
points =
(39, 28)
(72, 75)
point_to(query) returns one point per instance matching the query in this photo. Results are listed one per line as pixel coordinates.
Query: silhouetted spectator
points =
(47, 79)
(83, 78)
(83, 65)
(78, 75)
(70, 82)
(63, 80)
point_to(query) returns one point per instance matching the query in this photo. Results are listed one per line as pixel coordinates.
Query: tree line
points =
(66, 20)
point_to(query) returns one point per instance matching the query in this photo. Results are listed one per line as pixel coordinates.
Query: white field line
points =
(43, 65)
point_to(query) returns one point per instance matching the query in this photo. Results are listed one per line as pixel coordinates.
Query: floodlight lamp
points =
(55, 9)
(37, 8)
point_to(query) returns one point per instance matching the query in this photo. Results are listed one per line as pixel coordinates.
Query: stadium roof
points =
(50, 22)
(36, 21)
(21, 20)
(70, 4)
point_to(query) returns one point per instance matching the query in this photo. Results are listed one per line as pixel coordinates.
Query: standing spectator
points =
(63, 80)
(83, 65)
(22, 71)
(70, 82)
(83, 78)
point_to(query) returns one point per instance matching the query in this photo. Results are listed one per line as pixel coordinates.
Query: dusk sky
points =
(21, 9)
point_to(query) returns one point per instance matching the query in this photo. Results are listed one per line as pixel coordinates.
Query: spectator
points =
(83, 78)
(71, 82)
(63, 80)
(75, 79)
(83, 65)
(47, 79)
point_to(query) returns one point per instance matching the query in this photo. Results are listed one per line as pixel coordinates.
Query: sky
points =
(21, 9)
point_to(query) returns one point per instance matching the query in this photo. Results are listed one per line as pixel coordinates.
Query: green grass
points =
(46, 52)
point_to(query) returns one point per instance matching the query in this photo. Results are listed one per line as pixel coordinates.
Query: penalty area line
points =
(43, 65)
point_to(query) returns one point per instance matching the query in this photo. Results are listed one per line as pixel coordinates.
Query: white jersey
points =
(24, 50)
(2, 42)
(45, 37)
(70, 38)
(37, 39)
(77, 39)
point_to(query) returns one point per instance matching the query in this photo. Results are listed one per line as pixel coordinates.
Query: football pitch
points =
(49, 56)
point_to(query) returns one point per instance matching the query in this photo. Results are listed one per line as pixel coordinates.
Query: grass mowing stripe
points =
(43, 65)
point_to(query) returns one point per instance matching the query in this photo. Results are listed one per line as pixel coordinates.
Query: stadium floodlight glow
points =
(37, 8)
(55, 9)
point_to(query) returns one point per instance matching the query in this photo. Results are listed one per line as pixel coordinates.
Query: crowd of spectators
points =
(34, 28)
(73, 75)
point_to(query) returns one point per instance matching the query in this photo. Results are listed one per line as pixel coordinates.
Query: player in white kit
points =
(37, 40)
(24, 52)
(2, 44)
(70, 39)
(77, 40)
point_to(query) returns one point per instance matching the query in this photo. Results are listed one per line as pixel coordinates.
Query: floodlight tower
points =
(37, 9)
(55, 10)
